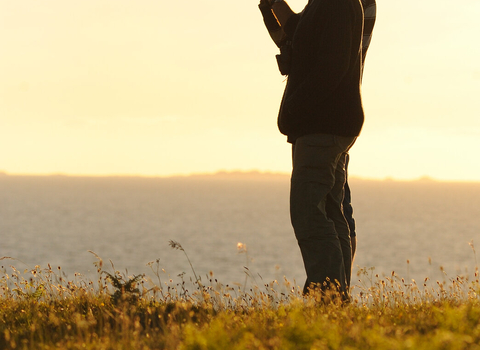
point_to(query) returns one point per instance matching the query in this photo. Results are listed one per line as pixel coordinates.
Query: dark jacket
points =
(323, 88)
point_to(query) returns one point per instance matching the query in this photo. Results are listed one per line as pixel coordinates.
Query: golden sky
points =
(155, 87)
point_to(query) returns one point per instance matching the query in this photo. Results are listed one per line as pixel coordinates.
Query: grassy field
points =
(41, 309)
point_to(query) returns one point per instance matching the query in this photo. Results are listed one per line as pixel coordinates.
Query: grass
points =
(42, 309)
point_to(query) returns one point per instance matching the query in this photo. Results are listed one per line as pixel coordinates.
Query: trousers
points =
(316, 196)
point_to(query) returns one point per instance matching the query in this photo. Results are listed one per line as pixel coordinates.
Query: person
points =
(321, 113)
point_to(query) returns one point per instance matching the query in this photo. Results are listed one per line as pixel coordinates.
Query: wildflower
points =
(37, 293)
(241, 247)
(471, 244)
(175, 245)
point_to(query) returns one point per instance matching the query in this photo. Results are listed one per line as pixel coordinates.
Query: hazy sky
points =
(156, 87)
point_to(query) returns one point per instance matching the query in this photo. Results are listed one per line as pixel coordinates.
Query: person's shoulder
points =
(341, 5)
(338, 9)
(332, 4)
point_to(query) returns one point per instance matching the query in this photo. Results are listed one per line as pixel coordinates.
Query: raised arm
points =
(276, 14)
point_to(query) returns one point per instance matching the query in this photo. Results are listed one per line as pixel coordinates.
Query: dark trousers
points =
(316, 196)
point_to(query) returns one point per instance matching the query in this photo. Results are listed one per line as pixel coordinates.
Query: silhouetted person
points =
(321, 114)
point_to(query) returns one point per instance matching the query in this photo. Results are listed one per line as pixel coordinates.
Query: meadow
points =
(40, 308)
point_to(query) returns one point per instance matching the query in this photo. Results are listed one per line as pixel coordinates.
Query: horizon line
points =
(229, 174)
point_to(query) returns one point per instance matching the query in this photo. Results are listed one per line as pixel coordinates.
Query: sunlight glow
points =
(154, 88)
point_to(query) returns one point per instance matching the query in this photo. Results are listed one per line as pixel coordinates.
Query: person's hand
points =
(282, 11)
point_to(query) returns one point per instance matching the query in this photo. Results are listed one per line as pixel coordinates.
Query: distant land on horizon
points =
(222, 174)
(231, 175)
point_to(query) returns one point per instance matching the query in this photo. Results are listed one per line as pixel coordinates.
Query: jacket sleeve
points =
(273, 27)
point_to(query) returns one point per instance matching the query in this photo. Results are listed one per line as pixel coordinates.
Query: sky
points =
(160, 88)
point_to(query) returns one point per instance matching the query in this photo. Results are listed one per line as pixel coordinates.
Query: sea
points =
(232, 226)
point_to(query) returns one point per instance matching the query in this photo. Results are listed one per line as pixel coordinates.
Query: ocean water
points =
(57, 220)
